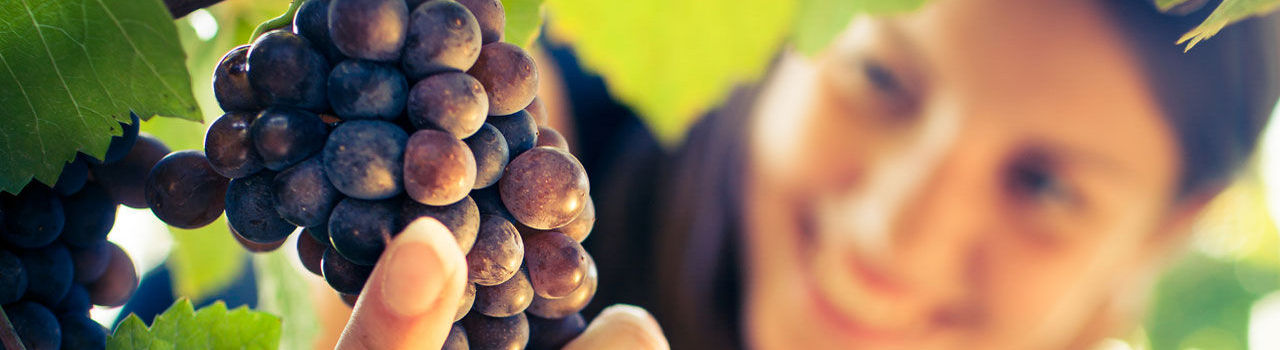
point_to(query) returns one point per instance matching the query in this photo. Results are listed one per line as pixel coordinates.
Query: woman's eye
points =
(881, 78)
(1038, 182)
(888, 90)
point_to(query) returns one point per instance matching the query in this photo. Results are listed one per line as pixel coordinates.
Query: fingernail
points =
(416, 270)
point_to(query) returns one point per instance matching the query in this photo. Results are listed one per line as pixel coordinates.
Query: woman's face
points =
(979, 174)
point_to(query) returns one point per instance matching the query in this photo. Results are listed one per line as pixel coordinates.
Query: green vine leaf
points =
(212, 327)
(1228, 12)
(71, 69)
(524, 21)
(819, 21)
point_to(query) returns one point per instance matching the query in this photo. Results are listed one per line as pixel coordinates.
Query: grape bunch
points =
(55, 260)
(368, 114)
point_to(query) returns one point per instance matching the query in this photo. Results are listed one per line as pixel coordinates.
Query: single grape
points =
(35, 216)
(554, 334)
(76, 301)
(461, 218)
(231, 82)
(303, 194)
(255, 247)
(35, 325)
(569, 304)
(539, 111)
(312, 22)
(343, 275)
(319, 232)
(74, 174)
(520, 131)
(367, 90)
(551, 138)
(505, 299)
(93, 213)
(464, 305)
(544, 188)
(124, 180)
(349, 299)
(251, 209)
(13, 276)
(457, 339)
(442, 36)
(360, 229)
(285, 70)
(118, 283)
(310, 253)
(490, 150)
(368, 29)
(81, 332)
(184, 191)
(484, 332)
(491, 16)
(364, 159)
(91, 261)
(49, 273)
(557, 264)
(580, 227)
(438, 168)
(497, 254)
(229, 146)
(509, 76)
(490, 203)
(120, 145)
(285, 136)
(453, 102)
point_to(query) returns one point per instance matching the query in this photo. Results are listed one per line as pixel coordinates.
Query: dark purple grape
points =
(497, 254)
(442, 36)
(35, 216)
(484, 332)
(35, 325)
(544, 188)
(285, 70)
(120, 145)
(569, 304)
(509, 76)
(438, 168)
(491, 17)
(91, 261)
(554, 334)
(520, 131)
(490, 203)
(360, 230)
(468, 299)
(255, 247)
(76, 301)
(251, 209)
(93, 215)
(453, 102)
(457, 339)
(319, 232)
(349, 299)
(462, 219)
(364, 159)
(551, 138)
(343, 275)
(285, 136)
(49, 273)
(367, 90)
(303, 194)
(312, 22)
(231, 82)
(118, 283)
(557, 264)
(81, 332)
(505, 299)
(490, 150)
(310, 252)
(124, 180)
(184, 191)
(368, 29)
(13, 276)
(74, 174)
(229, 146)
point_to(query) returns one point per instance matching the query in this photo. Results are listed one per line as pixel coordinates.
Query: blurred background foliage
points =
(1221, 295)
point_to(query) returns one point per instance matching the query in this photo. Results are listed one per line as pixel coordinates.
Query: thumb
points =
(621, 327)
(412, 294)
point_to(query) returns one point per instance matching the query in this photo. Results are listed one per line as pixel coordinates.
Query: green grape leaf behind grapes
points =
(70, 69)
(1228, 12)
(524, 21)
(211, 327)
